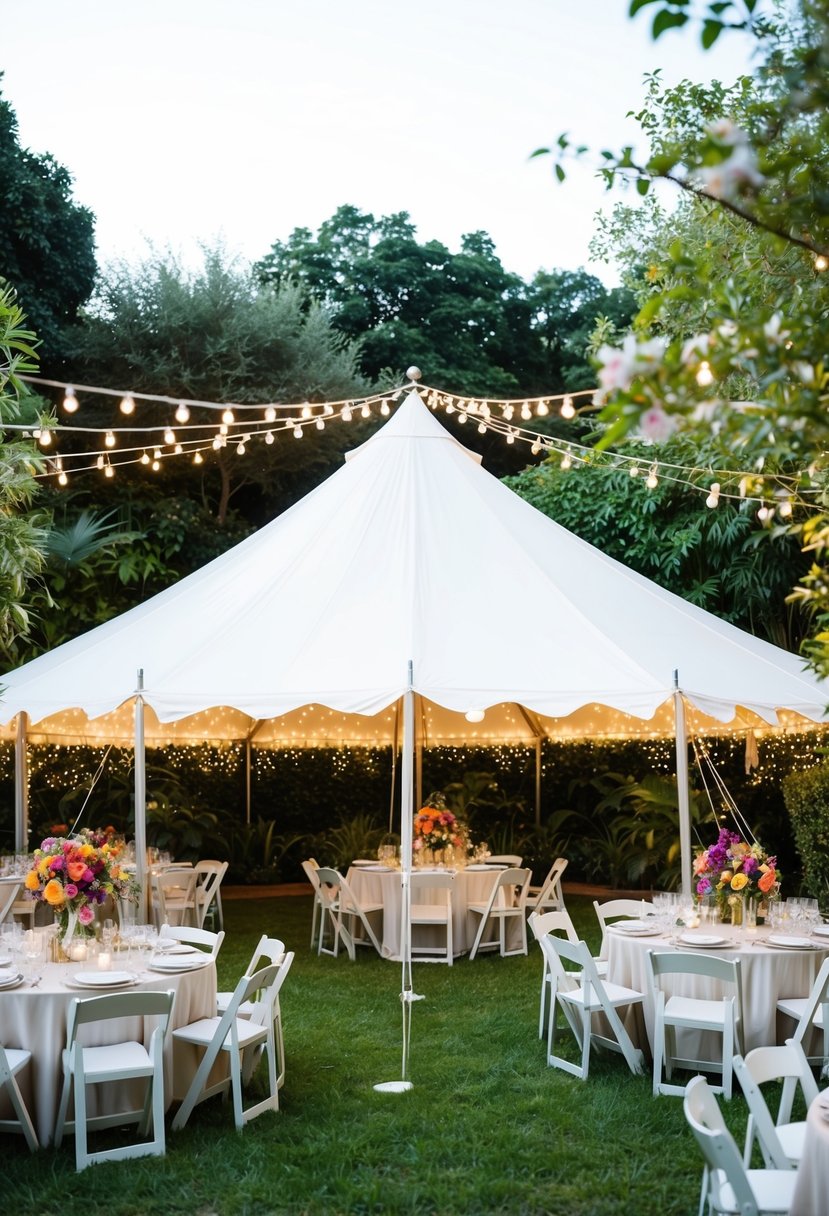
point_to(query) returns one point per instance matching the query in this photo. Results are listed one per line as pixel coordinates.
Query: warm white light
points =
(481, 428)
(228, 417)
(109, 471)
(366, 410)
(198, 458)
(70, 401)
(384, 409)
(652, 481)
(45, 438)
(156, 465)
(821, 262)
(62, 478)
(217, 443)
(157, 454)
(145, 458)
(566, 461)
(169, 436)
(634, 470)
(508, 412)
(328, 409)
(346, 414)
(542, 409)
(536, 448)
(178, 449)
(567, 409)
(713, 499)
(704, 374)
(764, 513)
(306, 410)
(461, 417)
(127, 405)
(182, 413)
(240, 448)
(450, 408)
(785, 509)
(297, 431)
(320, 424)
(99, 463)
(526, 412)
(269, 437)
(474, 715)
(510, 438)
(109, 439)
(270, 414)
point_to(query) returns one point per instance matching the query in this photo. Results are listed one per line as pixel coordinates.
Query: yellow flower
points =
(53, 893)
(738, 882)
(726, 876)
(32, 882)
(86, 850)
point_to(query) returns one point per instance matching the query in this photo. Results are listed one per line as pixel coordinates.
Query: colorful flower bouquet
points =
(436, 828)
(732, 868)
(73, 876)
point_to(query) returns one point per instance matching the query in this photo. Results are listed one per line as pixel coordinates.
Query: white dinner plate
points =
(102, 979)
(789, 942)
(703, 941)
(821, 930)
(5, 960)
(364, 861)
(169, 946)
(637, 928)
(179, 964)
(12, 980)
(477, 869)
(377, 869)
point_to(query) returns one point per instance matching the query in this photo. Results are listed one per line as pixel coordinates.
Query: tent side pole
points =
(683, 799)
(417, 708)
(247, 778)
(21, 784)
(538, 783)
(140, 774)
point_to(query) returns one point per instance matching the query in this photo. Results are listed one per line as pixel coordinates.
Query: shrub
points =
(806, 794)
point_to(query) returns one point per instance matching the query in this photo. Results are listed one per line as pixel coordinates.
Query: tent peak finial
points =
(414, 373)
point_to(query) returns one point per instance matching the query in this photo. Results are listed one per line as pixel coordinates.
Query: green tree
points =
(22, 529)
(566, 304)
(47, 242)
(217, 334)
(730, 341)
(460, 316)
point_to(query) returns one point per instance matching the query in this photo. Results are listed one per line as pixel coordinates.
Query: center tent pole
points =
(683, 799)
(21, 784)
(407, 996)
(140, 776)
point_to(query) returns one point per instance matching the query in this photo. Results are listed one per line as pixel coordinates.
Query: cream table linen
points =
(769, 974)
(35, 1018)
(811, 1191)
(471, 887)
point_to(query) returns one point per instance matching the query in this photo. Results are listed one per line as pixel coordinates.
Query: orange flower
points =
(767, 881)
(53, 893)
(76, 870)
(32, 882)
(738, 882)
(427, 827)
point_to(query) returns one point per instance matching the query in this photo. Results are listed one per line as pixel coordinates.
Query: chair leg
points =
(63, 1107)
(23, 1116)
(477, 940)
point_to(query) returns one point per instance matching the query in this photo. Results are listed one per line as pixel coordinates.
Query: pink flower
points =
(86, 915)
(656, 425)
(70, 890)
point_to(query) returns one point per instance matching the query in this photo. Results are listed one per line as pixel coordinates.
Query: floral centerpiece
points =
(436, 828)
(74, 876)
(732, 869)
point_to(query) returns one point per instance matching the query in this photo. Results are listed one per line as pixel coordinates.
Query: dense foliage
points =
(47, 245)
(807, 801)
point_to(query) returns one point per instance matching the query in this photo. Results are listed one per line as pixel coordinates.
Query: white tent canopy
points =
(410, 554)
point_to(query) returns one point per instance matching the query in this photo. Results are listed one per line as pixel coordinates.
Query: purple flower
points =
(704, 886)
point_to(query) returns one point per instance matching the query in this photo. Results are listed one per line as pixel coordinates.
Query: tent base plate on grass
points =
(393, 1087)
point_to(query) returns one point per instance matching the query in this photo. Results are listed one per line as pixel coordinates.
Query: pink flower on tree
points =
(656, 425)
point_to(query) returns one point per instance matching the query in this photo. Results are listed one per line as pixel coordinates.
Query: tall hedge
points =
(806, 795)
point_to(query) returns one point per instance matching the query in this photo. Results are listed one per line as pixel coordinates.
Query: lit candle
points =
(104, 960)
(77, 952)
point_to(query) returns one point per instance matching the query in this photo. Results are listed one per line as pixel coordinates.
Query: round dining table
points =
(811, 1191)
(34, 1017)
(769, 973)
(377, 884)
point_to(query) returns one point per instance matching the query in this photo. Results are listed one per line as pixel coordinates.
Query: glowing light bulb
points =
(198, 458)
(156, 465)
(634, 470)
(481, 428)
(713, 499)
(526, 412)
(297, 431)
(127, 405)
(178, 449)
(450, 407)
(821, 262)
(109, 439)
(764, 513)
(566, 461)
(169, 436)
(99, 463)
(62, 478)
(240, 448)
(461, 417)
(652, 481)
(182, 413)
(542, 409)
(474, 715)
(785, 509)
(508, 412)
(269, 438)
(270, 414)
(109, 471)
(328, 409)
(366, 410)
(384, 409)
(157, 454)
(45, 438)
(704, 374)
(346, 414)
(510, 438)
(567, 409)
(145, 458)
(217, 443)
(70, 401)
(320, 424)
(536, 448)
(228, 417)
(306, 410)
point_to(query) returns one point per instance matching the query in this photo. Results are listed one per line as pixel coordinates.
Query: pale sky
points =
(187, 120)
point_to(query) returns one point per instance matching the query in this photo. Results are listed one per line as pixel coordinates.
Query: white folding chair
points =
(504, 859)
(339, 903)
(581, 994)
(243, 1040)
(126, 1061)
(542, 923)
(722, 1015)
(547, 896)
(507, 903)
(810, 1012)
(11, 890)
(272, 951)
(615, 909)
(174, 897)
(311, 866)
(12, 1061)
(209, 875)
(204, 939)
(781, 1140)
(728, 1188)
(435, 915)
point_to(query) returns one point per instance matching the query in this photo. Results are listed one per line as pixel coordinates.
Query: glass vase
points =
(735, 904)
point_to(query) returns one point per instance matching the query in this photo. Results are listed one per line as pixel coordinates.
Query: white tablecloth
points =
(811, 1191)
(471, 887)
(768, 973)
(34, 1018)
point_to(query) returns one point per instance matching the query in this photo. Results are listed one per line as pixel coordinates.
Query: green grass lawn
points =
(488, 1126)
